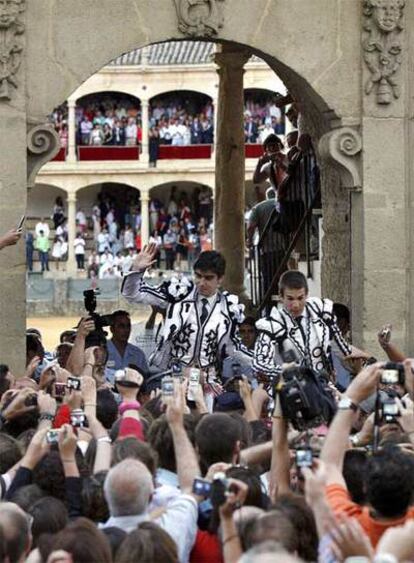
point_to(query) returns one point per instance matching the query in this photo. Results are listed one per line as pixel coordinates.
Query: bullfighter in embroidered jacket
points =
(305, 325)
(201, 322)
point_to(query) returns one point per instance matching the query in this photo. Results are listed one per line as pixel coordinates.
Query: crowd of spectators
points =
(173, 121)
(108, 236)
(181, 229)
(104, 461)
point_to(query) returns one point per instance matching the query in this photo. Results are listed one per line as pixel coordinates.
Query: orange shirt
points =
(340, 502)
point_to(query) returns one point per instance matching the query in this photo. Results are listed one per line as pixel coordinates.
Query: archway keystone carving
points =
(199, 18)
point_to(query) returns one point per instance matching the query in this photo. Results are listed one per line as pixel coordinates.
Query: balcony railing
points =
(108, 153)
(189, 152)
(166, 152)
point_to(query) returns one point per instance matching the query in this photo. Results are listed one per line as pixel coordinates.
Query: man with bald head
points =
(128, 489)
(14, 524)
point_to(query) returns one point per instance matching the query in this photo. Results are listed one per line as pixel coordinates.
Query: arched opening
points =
(46, 211)
(314, 110)
(181, 223)
(262, 115)
(183, 118)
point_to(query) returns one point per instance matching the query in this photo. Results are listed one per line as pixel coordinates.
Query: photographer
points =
(121, 353)
(389, 478)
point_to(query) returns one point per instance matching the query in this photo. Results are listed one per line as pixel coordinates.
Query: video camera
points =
(89, 299)
(305, 398)
(214, 490)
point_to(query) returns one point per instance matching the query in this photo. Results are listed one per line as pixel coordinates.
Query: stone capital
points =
(343, 147)
(233, 59)
(71, 198)
(43, 144)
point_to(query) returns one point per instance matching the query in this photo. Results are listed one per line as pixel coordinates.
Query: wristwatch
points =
(346, 403)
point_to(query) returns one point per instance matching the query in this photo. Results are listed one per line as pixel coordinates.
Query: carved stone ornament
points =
(343, 146)
(43, 144)
(382, 47)
(199, 18)
(11, 46)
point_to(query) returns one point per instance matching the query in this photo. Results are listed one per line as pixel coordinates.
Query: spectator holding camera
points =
(121, 353)
(390, 471)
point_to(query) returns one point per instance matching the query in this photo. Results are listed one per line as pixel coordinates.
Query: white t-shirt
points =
(79, 244)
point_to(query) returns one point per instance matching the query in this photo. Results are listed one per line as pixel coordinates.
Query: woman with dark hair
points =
(83, 541)
(148, 544)
(49, 516)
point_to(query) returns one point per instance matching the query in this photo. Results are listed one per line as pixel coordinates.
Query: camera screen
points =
(304, 458)
(390, 376)
(74, 383)
(201, 487)
(390, 409)
(167, 387)
(52, 437)
(119, 374)
(77, 420)
(194, 376)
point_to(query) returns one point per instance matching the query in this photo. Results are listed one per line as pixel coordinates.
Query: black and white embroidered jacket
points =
(183, 338)
(311, 340)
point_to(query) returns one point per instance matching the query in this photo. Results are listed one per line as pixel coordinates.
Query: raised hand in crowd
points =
(15, 403)
(38, 447)
(10, 238)
(146, 258)
(67, 449)
(348, 540)
(235, 498)
(398, 542)
(31, 366)
(88, 392)
(384, 340)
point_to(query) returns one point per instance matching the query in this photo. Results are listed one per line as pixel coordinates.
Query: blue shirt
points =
(132, 355)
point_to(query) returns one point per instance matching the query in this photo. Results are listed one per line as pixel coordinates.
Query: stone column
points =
(229, 194)
(71, 264)
(144, 156)
(71, 154)
(145, 229)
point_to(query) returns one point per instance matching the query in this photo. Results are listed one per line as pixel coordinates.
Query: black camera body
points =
(214, 490)
(305, 398)
(101, 321)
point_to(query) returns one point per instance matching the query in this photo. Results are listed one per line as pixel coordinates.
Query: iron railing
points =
(290, 228)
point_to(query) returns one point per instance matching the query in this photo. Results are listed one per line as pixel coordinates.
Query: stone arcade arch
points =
(315, 48)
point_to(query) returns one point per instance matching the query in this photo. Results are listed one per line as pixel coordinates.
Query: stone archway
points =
(303, 52)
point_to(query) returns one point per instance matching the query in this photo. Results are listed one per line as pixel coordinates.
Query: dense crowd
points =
(172, 121)
(109, 234)
(231, 439)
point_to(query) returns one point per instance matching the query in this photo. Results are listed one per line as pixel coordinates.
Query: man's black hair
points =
(251, 321)
(211, 261)
(119, 313)
(106, 408)
(216, 437)
(272, 139)
(354, 471)
(390, 482)
(341, 312)
(293, 279)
